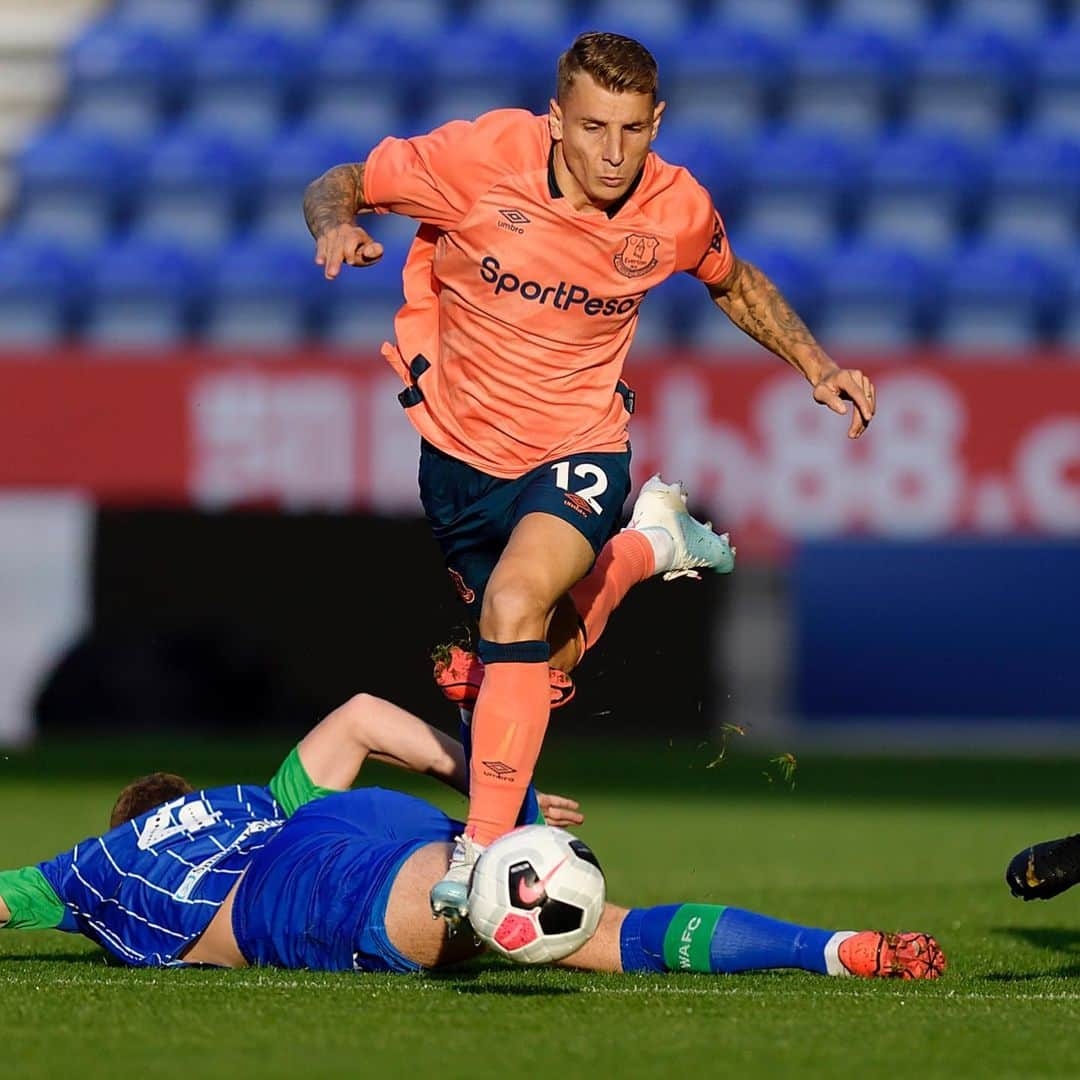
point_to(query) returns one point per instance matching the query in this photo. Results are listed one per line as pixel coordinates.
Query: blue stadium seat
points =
(785, 17)
(876, 296)
(241, 111)
(717, 163)
(39, 291)
(1035, 190)
(660, 27)
(121, 77)
(512, 68)
(1017, 18)
(421, 21)
(295, 159)
(845, 77)
(262, 295)
(658, 323)
(290, 16)
(74, 183)
(383, 61)
(234, 59)
(1057, 81)
(682, 305)
(902, 20)
(464, 101)
(143, 294)
(246, 78)
(801, 183)
(968, 79)
(167, 16)
(795, 270)
(1070, 331)
(529, 16)
(79, 161)
(999, 298)
(354, 111)
(920, 186)
(198, 181)
(724, 77)
(358, 308)
(356, 321)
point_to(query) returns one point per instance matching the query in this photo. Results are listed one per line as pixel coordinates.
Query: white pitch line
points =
(672, 991)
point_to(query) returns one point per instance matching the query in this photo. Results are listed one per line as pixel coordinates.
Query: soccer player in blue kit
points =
(304, 873)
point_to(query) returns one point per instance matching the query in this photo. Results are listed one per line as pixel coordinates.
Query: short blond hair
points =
(616, 63)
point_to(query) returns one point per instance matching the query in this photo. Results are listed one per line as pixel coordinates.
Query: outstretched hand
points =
(839, 386)
(345, 245)
(559, 810)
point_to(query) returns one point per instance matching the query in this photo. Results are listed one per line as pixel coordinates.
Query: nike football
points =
(536, 894)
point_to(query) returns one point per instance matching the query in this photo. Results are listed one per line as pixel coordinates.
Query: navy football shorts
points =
(472, 514)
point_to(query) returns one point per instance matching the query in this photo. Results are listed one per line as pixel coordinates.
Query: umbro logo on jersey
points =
(513, 220)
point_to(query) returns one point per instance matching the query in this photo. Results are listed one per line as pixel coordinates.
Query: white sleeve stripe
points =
(150, 884)
(106, 933)
(125, 910)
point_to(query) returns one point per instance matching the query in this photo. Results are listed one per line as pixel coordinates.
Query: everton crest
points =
(638, 255)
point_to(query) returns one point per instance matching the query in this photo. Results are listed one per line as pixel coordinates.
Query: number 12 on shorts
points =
(585, 471)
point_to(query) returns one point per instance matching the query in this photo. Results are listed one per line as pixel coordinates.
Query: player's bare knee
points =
(513, 611)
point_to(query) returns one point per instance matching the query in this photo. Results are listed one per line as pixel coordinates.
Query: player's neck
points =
(571, 190)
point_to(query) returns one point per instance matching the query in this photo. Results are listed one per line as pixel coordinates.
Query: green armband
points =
(292, 787)
(30, 899)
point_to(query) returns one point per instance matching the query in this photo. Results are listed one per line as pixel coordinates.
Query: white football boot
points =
(696, 546)
(450, 896)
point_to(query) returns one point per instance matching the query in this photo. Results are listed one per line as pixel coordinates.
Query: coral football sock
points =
(626, 560)
(508, 728)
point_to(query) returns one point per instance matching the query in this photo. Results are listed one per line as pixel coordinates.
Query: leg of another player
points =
(711, 938)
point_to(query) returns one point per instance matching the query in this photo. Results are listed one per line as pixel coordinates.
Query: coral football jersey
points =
(519, 310)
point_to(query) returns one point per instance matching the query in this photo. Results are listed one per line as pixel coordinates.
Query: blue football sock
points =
(713, 938)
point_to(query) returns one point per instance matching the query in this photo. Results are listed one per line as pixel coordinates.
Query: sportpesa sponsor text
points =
(563, 296)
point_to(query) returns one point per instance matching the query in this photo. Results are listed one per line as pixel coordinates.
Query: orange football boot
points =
(873, 954)
(459, 672)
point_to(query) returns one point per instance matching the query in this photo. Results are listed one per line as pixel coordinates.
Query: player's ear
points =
(555, 120)
(658, 111)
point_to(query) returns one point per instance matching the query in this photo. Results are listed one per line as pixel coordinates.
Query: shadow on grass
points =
(494, 978)
(1052, 938)
(1062, 940)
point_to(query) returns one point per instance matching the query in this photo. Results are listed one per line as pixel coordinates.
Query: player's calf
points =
(1044, 870)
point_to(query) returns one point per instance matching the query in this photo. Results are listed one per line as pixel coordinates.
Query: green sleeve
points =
(30, 899)
(292, 787)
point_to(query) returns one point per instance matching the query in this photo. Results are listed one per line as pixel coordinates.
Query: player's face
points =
(605, 136)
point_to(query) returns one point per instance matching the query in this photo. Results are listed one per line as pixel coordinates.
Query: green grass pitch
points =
(891, 843)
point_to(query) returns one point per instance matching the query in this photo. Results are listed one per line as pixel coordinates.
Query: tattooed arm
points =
(331, 204)
(754, 304)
